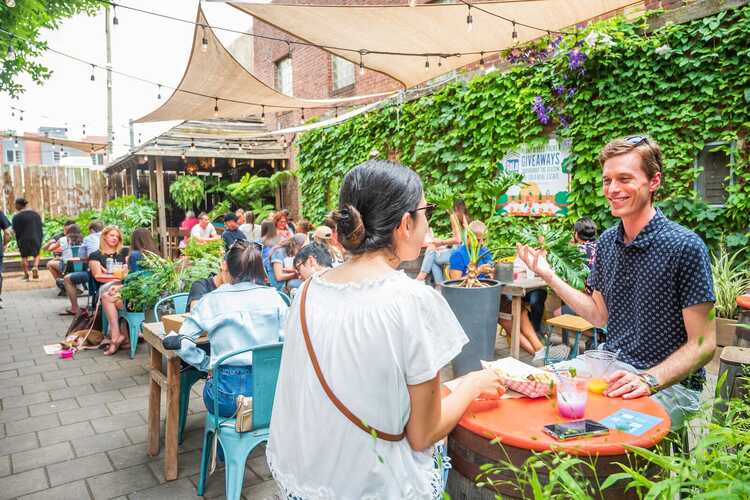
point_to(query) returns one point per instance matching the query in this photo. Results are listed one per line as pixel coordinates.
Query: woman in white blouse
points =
(380, 339)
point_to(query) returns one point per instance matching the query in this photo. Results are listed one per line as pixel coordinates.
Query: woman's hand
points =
(484, 383)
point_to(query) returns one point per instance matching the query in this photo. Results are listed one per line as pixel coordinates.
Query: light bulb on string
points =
(15, 141)
(514, 36)
(158, 93)
(83, 134)
(262, 112)
(216, 107)
(336, 112)
(192, 144)
(302, 117)
(361, 62)
(115, 21)
(20, 116)
(440, 62)
(204, 41)
(469, 20)
(426, 64)
(93, 78)
(481, 58)
(289, 50)
(12, 113)
(182, 156)
(139, 137)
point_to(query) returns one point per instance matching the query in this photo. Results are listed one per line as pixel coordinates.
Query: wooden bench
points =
(571, 323)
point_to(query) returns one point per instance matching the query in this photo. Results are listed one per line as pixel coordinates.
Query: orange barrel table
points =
(518, 424)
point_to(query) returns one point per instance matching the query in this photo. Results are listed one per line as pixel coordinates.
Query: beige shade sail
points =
(215, 79)
(85, 146)
(426, 28)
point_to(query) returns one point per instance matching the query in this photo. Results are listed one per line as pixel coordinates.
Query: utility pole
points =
(110, 131)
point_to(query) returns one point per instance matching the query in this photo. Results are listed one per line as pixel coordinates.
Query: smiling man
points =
(652, 286)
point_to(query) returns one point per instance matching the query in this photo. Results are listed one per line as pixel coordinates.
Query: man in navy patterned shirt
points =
(652, 286)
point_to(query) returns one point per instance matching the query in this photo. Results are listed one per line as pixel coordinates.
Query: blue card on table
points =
(632, 422)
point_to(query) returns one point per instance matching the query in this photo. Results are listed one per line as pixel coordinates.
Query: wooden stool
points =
(735, 367)
(570, 323)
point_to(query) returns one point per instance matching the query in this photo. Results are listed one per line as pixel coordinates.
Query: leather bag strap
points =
(336, 402)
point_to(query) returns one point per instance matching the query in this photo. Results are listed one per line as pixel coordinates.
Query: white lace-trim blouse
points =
(372, 339)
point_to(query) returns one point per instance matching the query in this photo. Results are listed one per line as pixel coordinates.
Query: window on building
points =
(55, 156)
(343, 73)
(13, 156)
(715, 175)
(284, 83)
(99, 159)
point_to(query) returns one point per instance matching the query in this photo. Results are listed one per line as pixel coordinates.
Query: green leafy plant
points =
(690, 92)
(731, 280)
(187, 191)
(565, 258)
(474, 250)
(260, 210)
(219, 209)
(253, 186)
(128, 213)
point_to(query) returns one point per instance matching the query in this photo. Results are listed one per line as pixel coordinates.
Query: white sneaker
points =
(558, 353)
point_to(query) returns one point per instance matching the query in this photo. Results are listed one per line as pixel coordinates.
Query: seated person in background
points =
(584, 235)
(140, 243)
(73, 280)
(237, 315)
(283, 276)
(203, 286)
(72, 238)
(231, 232)
(110, 247)
(204, 231)
(439, 253)
(186, 226)
(305, 227)
(55, 245)
(248, 226)
(459, 260)
(459, 266)
(323, 236)
(281, 221)
(312, 259)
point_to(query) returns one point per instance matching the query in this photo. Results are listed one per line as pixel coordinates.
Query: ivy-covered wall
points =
(685, 85)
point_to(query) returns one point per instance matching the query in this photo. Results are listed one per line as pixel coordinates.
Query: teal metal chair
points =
(287, 300)
(238, 446)
(134, 319)
(189, 376)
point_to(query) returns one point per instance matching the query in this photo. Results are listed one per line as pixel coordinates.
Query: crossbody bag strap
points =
(326, 388)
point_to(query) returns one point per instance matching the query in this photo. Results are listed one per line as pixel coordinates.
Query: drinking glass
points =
(572, 395)
(599, 364)
(117, 271)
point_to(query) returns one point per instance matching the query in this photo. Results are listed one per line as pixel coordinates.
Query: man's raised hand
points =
(535, 259)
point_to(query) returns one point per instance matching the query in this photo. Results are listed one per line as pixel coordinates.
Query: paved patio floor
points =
(76, 429)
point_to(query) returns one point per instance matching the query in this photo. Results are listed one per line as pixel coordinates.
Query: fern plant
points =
(187, 191)
(567, 260)
(730, 281)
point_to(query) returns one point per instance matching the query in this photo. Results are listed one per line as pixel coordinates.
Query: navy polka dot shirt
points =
(646, 284)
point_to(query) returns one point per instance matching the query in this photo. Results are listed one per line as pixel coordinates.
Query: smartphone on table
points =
(575, 429)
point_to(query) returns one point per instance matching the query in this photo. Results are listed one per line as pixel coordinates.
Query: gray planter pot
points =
(476, 310)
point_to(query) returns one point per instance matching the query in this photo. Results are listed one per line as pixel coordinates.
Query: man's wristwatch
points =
(651, 381)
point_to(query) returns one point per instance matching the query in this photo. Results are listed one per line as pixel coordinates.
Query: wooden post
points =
(161, 204)
(154, 402)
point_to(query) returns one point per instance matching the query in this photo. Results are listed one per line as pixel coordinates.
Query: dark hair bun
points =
(349, 226)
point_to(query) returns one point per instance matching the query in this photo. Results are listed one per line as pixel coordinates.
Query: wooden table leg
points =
(173, 417)
(515, 334)
(154, 401)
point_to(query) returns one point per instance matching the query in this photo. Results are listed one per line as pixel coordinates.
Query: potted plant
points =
(187, 191)
(730, 281)
(476, 302)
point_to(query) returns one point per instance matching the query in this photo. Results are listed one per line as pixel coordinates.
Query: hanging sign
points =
(546, 174)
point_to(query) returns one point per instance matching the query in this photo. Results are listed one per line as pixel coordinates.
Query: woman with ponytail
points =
(358, 408)
(238, 314)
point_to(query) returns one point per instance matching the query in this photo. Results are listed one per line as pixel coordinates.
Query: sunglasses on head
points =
(635, 140)
(428, 209)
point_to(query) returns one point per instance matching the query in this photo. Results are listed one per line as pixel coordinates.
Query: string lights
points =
(361, 62)
(514, 36)
(93, 78)
(469, 20)
(158, 94)
(216, 107)
(115, 21)
(204, 40)
(426, 64)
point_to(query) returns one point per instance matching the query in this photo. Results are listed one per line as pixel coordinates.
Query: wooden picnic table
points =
(153, 333)
(470, 447)
(518, 289)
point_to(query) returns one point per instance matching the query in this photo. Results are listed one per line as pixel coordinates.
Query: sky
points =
(143, 45)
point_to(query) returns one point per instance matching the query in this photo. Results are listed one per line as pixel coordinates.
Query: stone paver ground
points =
(76, 428)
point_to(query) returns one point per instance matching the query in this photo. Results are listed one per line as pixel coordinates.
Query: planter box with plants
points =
(731, 279)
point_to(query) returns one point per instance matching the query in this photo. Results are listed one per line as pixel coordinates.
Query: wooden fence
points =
(53, 190)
